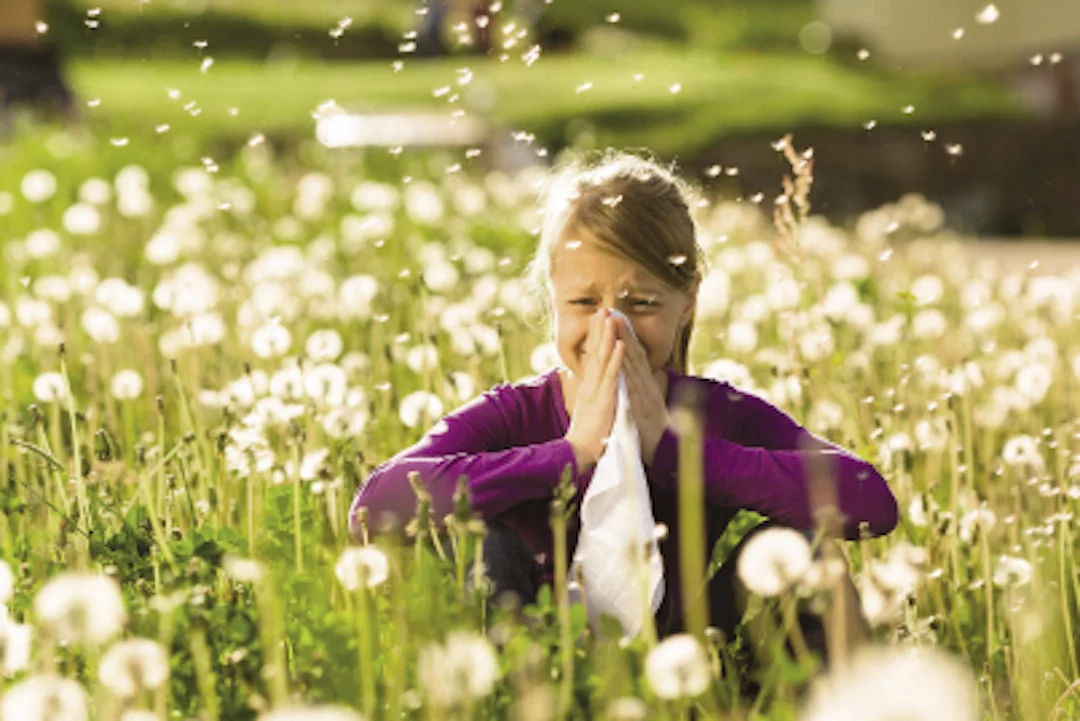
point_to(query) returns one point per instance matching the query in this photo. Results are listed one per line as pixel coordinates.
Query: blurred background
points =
(976, 106)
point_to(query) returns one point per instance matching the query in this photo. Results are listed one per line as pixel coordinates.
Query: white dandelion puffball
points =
(324, 345)
(7, 582)
(81, 219)
(129, 667)
(271, 341)
(49, 387)
(774, 560)
(312, 713)
(100, 325)
(244, 570)
(15, 647)
(1022, 450)
(95, 191)
(678, 667)
(38, 186)
(365, 564)
(414, 405)
(42, 243)
(45, 698)
(127, 385)
(138, 714)
(1012, 571)
(465, 667)
(81, 607)
(897, 682)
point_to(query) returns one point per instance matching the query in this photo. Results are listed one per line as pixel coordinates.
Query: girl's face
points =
(585, 277)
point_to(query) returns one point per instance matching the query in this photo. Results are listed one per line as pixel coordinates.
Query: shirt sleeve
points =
(770, 469)
(472, 442)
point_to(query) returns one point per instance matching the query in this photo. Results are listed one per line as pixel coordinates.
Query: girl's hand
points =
(647, 402)
(597, 393)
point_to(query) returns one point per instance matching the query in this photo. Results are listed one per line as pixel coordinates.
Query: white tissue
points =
(616, 515)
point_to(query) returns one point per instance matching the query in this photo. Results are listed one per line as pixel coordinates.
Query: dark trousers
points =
(510, 566)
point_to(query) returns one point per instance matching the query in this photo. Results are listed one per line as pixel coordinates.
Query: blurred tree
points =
(1027, 41)
(29, 67)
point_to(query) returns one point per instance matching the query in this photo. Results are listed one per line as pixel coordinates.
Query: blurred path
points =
(1052, 256)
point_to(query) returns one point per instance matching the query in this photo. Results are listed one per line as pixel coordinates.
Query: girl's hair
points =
(637, 209)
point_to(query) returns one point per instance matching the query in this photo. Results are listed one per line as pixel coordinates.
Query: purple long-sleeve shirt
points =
(509, 442)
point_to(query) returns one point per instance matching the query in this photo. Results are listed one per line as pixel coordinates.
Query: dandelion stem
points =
(298, 547)
(691, 486)
(366, 666)
(559, 552)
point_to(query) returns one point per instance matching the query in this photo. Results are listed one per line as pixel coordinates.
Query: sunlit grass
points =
(718, 95)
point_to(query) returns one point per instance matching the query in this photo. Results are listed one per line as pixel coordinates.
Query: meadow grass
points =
(714, 96)
(201, 364)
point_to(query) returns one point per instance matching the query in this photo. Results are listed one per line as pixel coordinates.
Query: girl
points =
(619, 234)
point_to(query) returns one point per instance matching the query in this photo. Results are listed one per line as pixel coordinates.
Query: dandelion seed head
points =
(774, 560)
(37, 186)
(79, 607)
(45, 698)
(678, 667)
(132, 666)
(464, 667)
(362, 565)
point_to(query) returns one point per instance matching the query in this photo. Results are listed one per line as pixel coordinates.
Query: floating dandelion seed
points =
(93, 103)
(256, 139)
(929, 136)
(472, 153)
(397, 65)
(638, 77)
(757, 197)
(713, 171)
(234, 112)
(163, 128)
(407, 47)
(1055, 58)
(958, 33)
(205, 65)
(573, 244)
(613, 18)
(531, 56)
(988, 15)
(1037, 59)
(870, 124)
(907, 109)
(863, 54)
(41, 27)
(441, 91)
(584, 87)
(675, 88)
(677, 260)
(173, 93)
(465, 76)
(612, 201)
(200, 44)
(954, 149)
